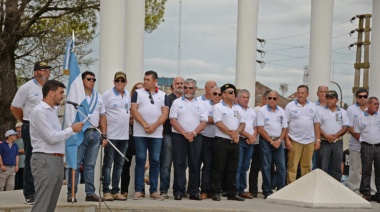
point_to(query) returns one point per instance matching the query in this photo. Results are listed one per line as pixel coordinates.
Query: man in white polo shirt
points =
(150, 108)
(367, 130)
(209, 85)
(27, 97)
(117, 103)
(188, 117)
(272, 125)
(230, 122)
(334, 124)
(303, 131)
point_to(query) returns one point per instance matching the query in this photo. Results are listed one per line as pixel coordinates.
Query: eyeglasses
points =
(190, 88)
(91, 79)
(274, 98)
(362, 96)
(219, 94)
(120, 80)
(151, 98)
(230, 92)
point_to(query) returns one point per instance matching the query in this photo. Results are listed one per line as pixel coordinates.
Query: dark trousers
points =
(28, 188)
(19, 179)
(331, 153)
(207, 158)
(370, 155)
(182, 150)
(225, 151)
(125, 174)
(254, 171)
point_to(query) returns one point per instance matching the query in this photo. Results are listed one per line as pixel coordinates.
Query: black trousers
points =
(125, 174)
(254, 171)
(370, 155)
(226, 158)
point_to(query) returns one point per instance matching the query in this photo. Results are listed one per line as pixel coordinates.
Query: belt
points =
(324, 139)
(91, 129)
(54, 154)
(368, 144)
(25, 121)
(225, 139)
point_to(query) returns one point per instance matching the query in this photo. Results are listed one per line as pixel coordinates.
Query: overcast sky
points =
(208, 42)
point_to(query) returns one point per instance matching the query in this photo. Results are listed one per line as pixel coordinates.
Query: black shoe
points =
(93, 198)
(236, 198)
(224, 194)
(70, 198)
(195, 197)
(216, 197)
(29, 201)
(254, 195)
(368, 198)
(178, 197)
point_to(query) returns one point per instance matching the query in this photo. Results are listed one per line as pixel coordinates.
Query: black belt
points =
(368, 144)
(225, 139)
(25, 121)
(91, 129)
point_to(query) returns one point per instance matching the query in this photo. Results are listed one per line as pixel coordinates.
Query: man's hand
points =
(104, 142)
(234, 134)
(16, 168)
(189, 136)
(77, 127)
(329, 138)
(276, 144)
(3, 168)
(317, 145)
(251, 139)
(289, 145)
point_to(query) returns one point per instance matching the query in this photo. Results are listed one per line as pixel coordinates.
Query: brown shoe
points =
(137, 196)
(119, 197)
(156, 196)
(125, 194)
(93, 198)
(70, 198)
(204, 195)
(107, 197)
(368, 198)
(246, 195)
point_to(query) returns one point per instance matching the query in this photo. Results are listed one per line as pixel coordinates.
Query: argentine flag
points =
(75, 93)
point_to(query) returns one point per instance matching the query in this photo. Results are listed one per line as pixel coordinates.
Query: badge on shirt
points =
(236, 114)
(127, 107)
(311, 112)
(279, 119)
(197, 109)
(338, 116)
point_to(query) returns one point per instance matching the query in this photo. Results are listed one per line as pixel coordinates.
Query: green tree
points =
(32, 30)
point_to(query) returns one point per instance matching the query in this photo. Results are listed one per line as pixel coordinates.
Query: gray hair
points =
(241, 91)
(215, 88)
(189, 80)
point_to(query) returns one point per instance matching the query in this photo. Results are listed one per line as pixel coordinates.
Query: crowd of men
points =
(216, 136)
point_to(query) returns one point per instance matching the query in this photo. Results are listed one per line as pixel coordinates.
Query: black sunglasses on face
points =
(362, 96)
(91, 79)
(219, 94)
(190, 88)
(120, 80)
(230, 92)
(274, 98)
(151, 98)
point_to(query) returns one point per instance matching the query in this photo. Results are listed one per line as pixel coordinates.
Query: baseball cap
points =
(332, 93)
(120, 74)
(10, 132)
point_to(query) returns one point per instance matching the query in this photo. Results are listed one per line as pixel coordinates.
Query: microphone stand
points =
(101, 151)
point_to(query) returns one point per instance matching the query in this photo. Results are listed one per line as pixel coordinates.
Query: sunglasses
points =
(120, 80)
(274, 98)
(91, 79)
(230, 92)
(151, 98)
(190, 88)
(219, 94)
(362, 96)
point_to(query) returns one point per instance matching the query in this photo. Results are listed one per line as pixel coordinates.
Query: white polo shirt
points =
(250, 120)
(332, 122)
(202, 98)
(369, 128)
(148, 111)
(117, 108)
(189, 114)
(96, 101)
(301, 120)
(209, 130)
(353, 113)
(231, 117)
(27, 97)
(272, 121)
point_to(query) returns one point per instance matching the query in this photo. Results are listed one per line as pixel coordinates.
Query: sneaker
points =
(165, 195)
(70, 198)
(119, 197)
(93, 198)
(29, 201)
(107, 197)
(156, 196)
(125, 194)
(137, 196)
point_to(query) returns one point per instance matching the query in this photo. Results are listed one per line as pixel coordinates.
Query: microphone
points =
(72, 103)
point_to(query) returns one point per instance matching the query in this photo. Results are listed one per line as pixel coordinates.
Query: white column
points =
(111, 52)
(246, 47)
(134, 41)
(320, 45)
(374, 73)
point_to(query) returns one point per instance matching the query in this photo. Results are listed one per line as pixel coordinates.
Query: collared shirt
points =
(99, 107)
(301, 120)
(353, 113)
(369, 128)
(250, 121)
(148, 111)
(231, 117)
(189, 114)
(117, 108)
(272, 121)
(21, 160)
(209, 130)
(45, 130)
(202, 98)
(27, 97)
(8, 154)
(167, 125)
(332, 122)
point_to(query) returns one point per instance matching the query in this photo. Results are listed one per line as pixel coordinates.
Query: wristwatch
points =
(319, 140)
(195, 134)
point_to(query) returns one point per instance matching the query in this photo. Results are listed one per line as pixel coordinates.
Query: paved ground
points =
(14, 201)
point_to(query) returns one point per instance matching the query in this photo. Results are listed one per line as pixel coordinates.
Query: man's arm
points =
(137, 116)
(17, 159)
(164, 115)
(2, 167)
(103, 127)
(17, 113)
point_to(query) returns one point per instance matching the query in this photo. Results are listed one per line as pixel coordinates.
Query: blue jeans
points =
(87, 153)
(153, 145)
(269, 153)
(166, 162)
(28, 188)
(111, 156)
(330, 157)
(245, 155)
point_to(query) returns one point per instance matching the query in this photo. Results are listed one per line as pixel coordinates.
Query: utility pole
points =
(359, 64)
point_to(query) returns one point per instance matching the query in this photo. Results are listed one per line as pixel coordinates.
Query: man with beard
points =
(48, 141)
(167, 143)
(188, 118)
(27, 97)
